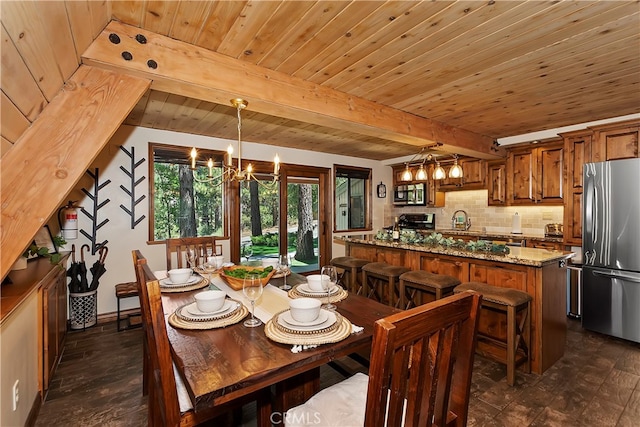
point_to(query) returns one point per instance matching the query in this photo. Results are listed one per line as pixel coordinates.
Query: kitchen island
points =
(539, 272)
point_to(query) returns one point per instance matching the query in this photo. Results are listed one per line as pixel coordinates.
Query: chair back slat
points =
(163, 396)
(179, 248)
(421, 364)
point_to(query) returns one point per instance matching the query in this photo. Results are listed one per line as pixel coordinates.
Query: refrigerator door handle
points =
(589, 214)
(622, 276)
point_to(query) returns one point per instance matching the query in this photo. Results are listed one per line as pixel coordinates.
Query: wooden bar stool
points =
(379, 281)
(351, 271)
(518, 343)
(414, 283)
(126, 290)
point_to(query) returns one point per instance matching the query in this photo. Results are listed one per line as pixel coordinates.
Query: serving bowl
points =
(231, 275)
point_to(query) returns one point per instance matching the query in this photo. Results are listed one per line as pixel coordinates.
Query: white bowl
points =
(217, 261)
(180, 275)
(305, 309)
(210, 301)
(315, 281)
(270, 262)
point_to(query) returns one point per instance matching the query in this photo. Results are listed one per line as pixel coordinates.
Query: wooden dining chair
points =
(420, 372)
(179, 248)
(169, 401)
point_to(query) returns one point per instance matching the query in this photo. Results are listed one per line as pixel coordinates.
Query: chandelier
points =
(231, 172)
(438, 173)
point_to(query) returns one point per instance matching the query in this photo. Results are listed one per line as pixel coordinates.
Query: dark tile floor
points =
(596, 383)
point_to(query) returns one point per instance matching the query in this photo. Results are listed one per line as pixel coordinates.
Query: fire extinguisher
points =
(69, 221)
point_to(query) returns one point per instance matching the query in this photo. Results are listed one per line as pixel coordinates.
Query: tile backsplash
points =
(493, 218)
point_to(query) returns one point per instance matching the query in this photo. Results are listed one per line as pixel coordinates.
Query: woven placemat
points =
(203, 283)
(343, 330)
(292, 331)
(186, 316)
(237, 316)
(338, 296)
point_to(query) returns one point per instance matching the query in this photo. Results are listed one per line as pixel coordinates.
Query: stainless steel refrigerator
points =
(611, 248)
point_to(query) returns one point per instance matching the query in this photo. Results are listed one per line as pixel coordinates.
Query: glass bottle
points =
(395, 232)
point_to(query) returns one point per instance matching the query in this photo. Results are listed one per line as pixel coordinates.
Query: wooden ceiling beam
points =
(52, 155)
(191, 71)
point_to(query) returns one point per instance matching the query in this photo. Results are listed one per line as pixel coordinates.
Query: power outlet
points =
(16, 394)
(546, 215)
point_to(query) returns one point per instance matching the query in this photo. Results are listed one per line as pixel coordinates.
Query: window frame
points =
(360, 173)
(203, 156)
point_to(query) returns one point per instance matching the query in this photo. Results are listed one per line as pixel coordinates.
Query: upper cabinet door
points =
(497, 183)
(616, 141)
(536, 174)
(521, 168)
(549, 174)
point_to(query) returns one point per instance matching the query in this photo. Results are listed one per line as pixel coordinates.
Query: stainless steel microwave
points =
(410, 195)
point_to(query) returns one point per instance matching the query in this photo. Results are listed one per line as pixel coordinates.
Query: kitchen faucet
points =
(463, 221)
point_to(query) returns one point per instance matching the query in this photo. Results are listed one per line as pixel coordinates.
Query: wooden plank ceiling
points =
(494, 68)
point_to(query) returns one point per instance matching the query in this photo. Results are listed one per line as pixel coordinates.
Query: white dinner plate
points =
(304, 288)
(226, 306)
(288, 318)
(191, 281)
(188, 311)
(331, 319)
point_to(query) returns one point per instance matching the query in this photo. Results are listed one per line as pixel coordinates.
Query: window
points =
(180, 206)
(352, 198)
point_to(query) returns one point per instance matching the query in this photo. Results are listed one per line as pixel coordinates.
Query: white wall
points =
(122, 239)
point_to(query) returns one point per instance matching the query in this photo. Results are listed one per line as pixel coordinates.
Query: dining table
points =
(222, 364)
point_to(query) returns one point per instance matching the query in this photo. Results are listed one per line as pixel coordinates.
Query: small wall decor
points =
(93, 216)
(382, 190)
(131, 192)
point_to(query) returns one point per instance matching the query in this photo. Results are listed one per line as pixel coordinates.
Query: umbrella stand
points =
(83, 305)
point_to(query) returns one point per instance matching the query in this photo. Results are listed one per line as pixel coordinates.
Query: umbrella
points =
(98, 268)
(72, 272)
(82, 271)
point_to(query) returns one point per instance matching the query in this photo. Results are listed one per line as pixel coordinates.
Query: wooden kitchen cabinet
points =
(616, 141)
(433, 198)
(612, 141)
(474, 175)
(577, 146)
(535, 172)
(497, 183)
(54, 322)
(543, 244)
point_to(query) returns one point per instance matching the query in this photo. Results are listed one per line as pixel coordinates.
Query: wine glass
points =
(191, 257)
(328, 276)
(284, 268)
(252, 289)
(210, 267)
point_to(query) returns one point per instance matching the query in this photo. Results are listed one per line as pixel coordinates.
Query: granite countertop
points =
(497, 235)
(517, 255)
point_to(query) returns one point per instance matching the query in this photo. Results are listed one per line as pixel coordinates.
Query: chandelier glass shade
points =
(438, 171)
(234, 172)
